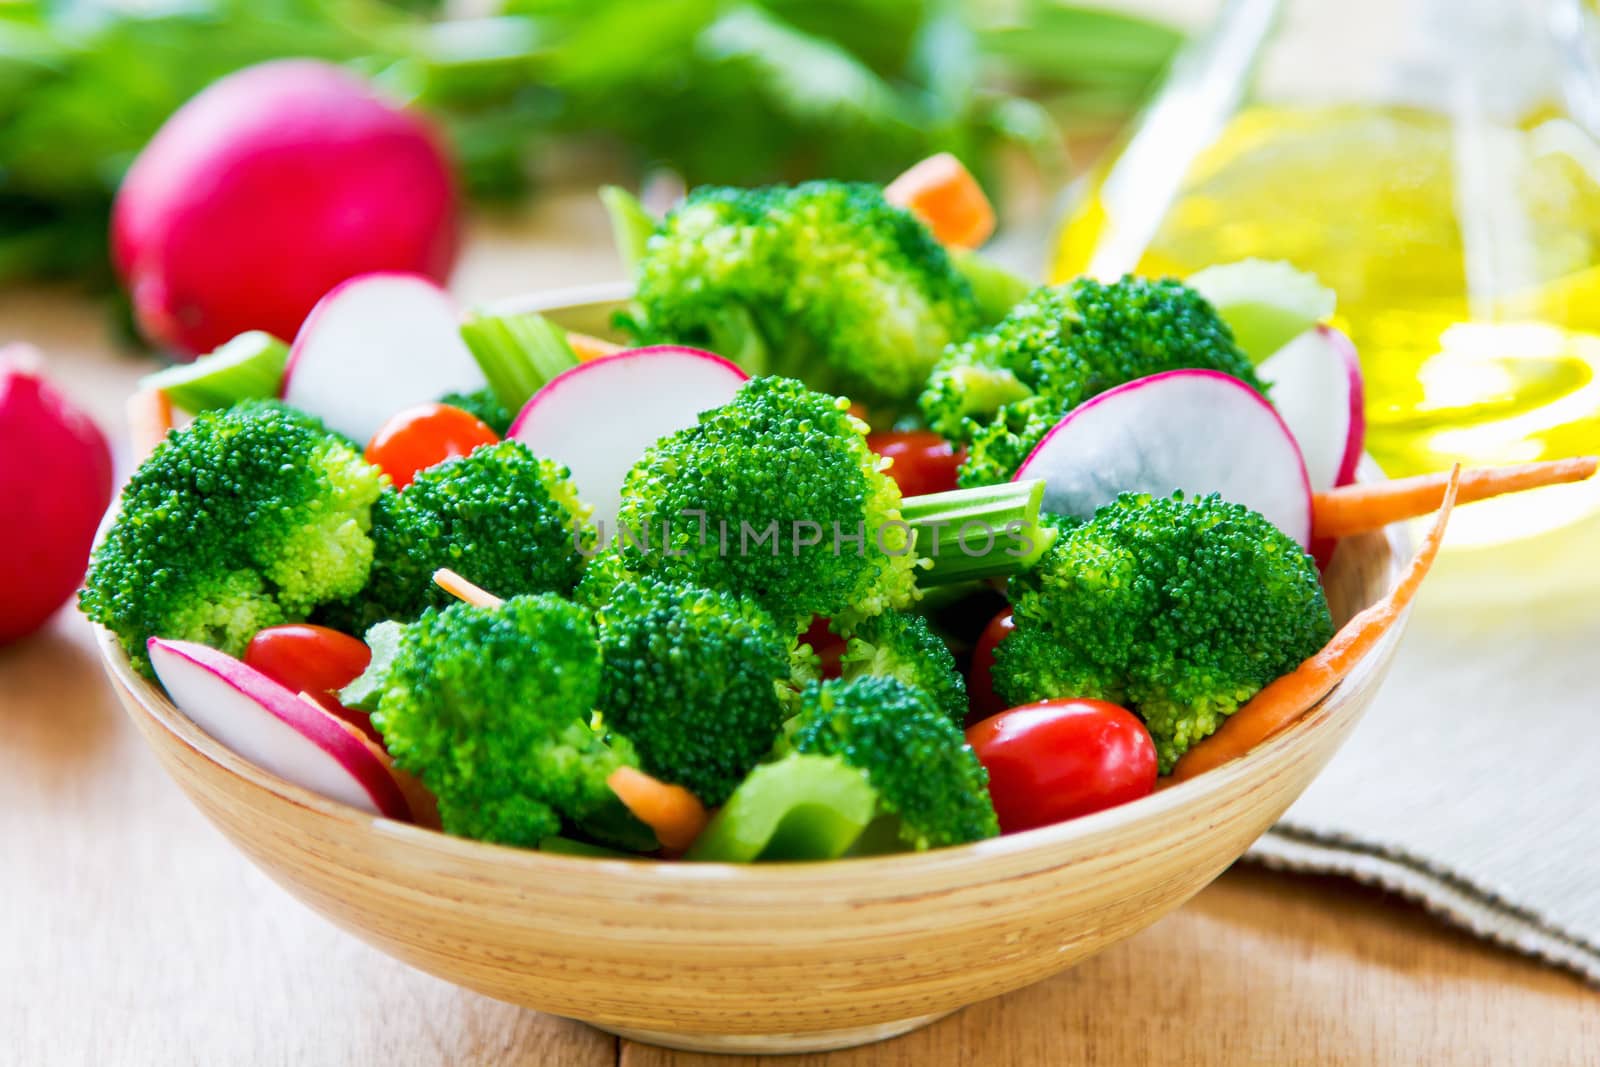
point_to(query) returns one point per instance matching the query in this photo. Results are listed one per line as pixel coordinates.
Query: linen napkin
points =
(1473, 783)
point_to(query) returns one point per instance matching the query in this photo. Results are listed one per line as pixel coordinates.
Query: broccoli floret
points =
(793, 467)
(1179, 609)
(248, 517)
(483, 405)
(903, 646)
(1002, 389)
(692, 678)
(490, 707)
(776, 496)
(501, 517)
(911, 752)
(603, 572)
(826, 281)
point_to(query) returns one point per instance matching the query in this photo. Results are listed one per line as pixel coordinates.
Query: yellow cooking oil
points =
(1466, 258)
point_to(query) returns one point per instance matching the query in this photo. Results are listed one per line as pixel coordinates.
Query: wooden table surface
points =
(132, 933)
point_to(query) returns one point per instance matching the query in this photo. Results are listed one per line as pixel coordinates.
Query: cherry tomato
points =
(980, 675)
(924, 462)
(307, 658)
(828, 646)
(1059, 759)
(422, 436)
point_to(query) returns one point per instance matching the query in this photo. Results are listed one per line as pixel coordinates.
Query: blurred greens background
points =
(737, 91)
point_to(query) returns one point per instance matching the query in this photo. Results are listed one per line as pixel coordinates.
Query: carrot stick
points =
(461, 589)
(674, 813)
(149, 421)
(1285, 700)
(1353, 509)
(586, 348)
(947, 198)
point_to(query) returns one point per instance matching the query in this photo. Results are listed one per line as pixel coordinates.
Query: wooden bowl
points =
(768, 958)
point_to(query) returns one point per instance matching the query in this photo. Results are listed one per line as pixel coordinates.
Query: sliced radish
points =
(599, 417)
(273, 728)
(374, 345)
(1316, 387)
(1194, 430)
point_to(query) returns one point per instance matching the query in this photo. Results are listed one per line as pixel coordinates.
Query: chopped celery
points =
(631, 224)
(251, 365)
(985, 532)
(799, 808)
(1266, 303)
(518, 354)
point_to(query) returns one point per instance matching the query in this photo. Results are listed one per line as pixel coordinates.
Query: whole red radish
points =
(266, 190)
(55, 483)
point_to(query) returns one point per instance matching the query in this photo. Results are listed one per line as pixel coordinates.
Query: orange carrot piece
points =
(947, 198)
(674, 813)
(1353, 509)
(149, 421)
(461, 589)
(1285, 700)
(587, 348)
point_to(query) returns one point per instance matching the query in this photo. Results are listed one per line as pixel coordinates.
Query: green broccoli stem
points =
(987, 532)
(518, 354)
(631, 224)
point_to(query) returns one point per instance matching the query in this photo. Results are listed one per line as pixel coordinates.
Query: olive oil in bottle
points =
(1452, 200)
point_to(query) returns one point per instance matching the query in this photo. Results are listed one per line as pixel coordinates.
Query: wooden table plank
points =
(1261, 968)
(131, 933)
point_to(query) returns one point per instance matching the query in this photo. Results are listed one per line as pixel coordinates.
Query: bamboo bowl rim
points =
(1046, 842)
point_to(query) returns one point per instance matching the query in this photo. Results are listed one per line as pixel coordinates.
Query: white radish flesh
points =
(273, 728)
(1315, 383)
(599, 417)
(1198, 431)
(374, 346)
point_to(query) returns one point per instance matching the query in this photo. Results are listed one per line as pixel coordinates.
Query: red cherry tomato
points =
(923, 463)
(1059, 759)
(980, 676)
(422, 436)
(828, 646)
(307, 658)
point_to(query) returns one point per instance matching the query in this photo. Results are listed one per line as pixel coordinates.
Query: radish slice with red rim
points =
(1198, 431)
(273, 728)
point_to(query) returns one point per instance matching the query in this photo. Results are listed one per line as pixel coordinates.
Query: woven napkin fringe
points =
(1292, 848)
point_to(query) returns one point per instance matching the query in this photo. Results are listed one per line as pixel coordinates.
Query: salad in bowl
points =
(862, 546)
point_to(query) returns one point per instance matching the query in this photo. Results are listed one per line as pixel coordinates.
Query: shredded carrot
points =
(149, 421)
(586, 347)
(461, 589)
(1285, 700)
(1353, 509)
(674, 813)
(947, 198)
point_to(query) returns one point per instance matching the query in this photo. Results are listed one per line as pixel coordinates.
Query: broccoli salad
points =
(863, 545)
